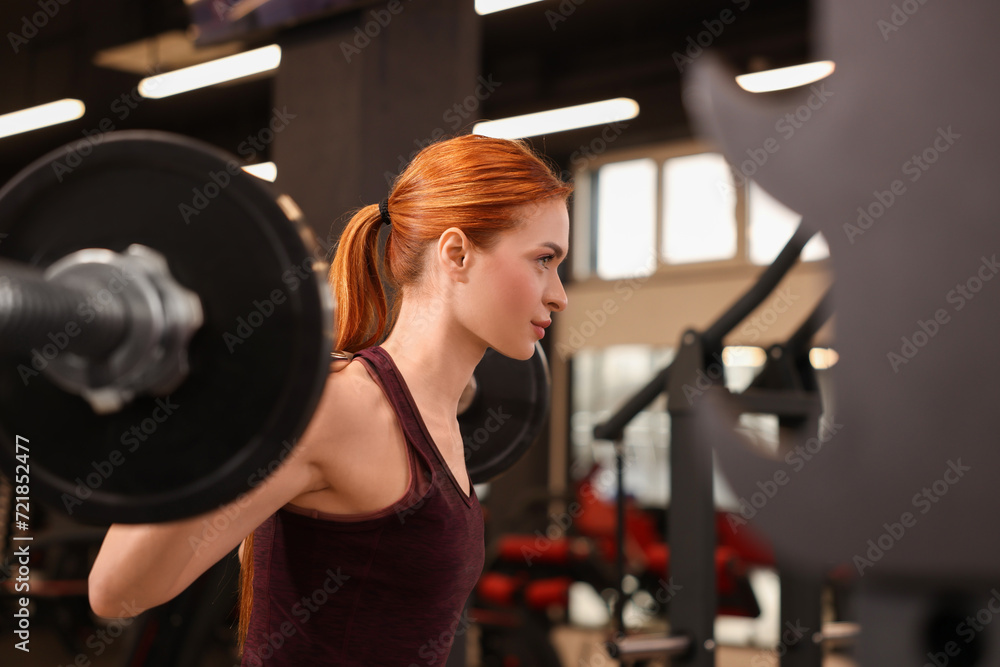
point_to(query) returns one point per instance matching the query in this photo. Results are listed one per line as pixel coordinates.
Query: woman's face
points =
(513, 288)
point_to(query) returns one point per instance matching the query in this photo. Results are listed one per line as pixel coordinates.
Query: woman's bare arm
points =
(144, 565)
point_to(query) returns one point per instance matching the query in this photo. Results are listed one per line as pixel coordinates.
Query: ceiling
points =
(549, 54)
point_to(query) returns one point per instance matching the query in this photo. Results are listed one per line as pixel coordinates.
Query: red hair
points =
(471, 182)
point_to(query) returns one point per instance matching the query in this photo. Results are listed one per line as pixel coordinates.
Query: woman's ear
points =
(454, 253)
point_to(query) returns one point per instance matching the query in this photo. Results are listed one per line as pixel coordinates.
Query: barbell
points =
(166, 333)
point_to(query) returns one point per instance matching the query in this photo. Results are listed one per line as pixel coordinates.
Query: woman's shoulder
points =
(352, 429)
(351, 405)
(355, 444)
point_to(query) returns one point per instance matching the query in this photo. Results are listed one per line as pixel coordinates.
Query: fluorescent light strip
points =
(244, 64)
(823, 357)
(41, 116)
(785, 77)
(264, 170)
(559, 120)
(491, 6)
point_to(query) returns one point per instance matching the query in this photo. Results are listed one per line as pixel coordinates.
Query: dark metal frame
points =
(787, 388)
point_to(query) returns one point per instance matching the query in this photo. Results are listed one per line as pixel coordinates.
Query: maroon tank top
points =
(385, 588)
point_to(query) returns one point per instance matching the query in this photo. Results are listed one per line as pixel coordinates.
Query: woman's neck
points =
(434, 353)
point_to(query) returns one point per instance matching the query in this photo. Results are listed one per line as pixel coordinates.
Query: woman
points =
(368, 539)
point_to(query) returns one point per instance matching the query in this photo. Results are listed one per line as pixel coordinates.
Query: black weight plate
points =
(507, 414)
(239, 410)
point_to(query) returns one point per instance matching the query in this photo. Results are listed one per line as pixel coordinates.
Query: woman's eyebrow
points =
(555, 248)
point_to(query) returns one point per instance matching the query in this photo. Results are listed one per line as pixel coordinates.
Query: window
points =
(672, 207)
(602, 379)
(699, 209)
(770, 225)
(626, 219)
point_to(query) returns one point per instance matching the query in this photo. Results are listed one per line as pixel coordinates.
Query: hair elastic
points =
(383, 209)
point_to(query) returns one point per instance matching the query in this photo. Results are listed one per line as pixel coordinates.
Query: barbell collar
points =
(118, 322)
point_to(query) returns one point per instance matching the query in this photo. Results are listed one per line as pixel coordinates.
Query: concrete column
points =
(367, 90)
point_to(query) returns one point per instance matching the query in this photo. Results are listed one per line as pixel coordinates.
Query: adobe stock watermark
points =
(372, 28)
(303, 610)
(900, 14)
(593, 149)
(131, 439)
(453, 117)
(436, 648)
(786, 127)
(958, 297)
(120, 109)
(777, 305)
(87, 312)
(561, 13)
(967, 629)
(31, 25)
(624, 289)
(561, 522)
(790, 636)
(706, 377)
(264, 308)
(101, 639)
(714, 28)
(796, 459)
(666, 590)
(495, 419)
(215, 525)
(219, 180)
(915, 167)
(924, 500)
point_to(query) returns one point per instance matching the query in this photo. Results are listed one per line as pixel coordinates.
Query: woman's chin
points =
(521, 352)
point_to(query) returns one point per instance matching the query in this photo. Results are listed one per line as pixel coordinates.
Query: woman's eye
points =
(545, 260)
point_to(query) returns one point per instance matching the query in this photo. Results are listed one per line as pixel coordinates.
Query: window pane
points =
(699, 209)
(771, 224)
(602, 379)
(626, 212)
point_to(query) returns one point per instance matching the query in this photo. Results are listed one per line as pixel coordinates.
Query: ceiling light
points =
(229, 68)
(785, 77)
(265, 170)
(491, 6)
(43, 115)
(559, 120)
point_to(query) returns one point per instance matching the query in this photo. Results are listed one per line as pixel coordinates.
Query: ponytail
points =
(362, 308)
(246, 592)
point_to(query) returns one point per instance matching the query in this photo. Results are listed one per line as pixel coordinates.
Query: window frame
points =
(584, 222)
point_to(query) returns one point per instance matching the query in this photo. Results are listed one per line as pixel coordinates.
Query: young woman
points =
(362, 548)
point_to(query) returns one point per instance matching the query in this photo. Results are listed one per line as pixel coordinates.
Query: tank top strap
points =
(384, 369)
(387, 375)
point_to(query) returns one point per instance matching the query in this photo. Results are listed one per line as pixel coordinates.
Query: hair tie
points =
(383, 209)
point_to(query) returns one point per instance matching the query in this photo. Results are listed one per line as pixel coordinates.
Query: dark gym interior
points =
(742, 275)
